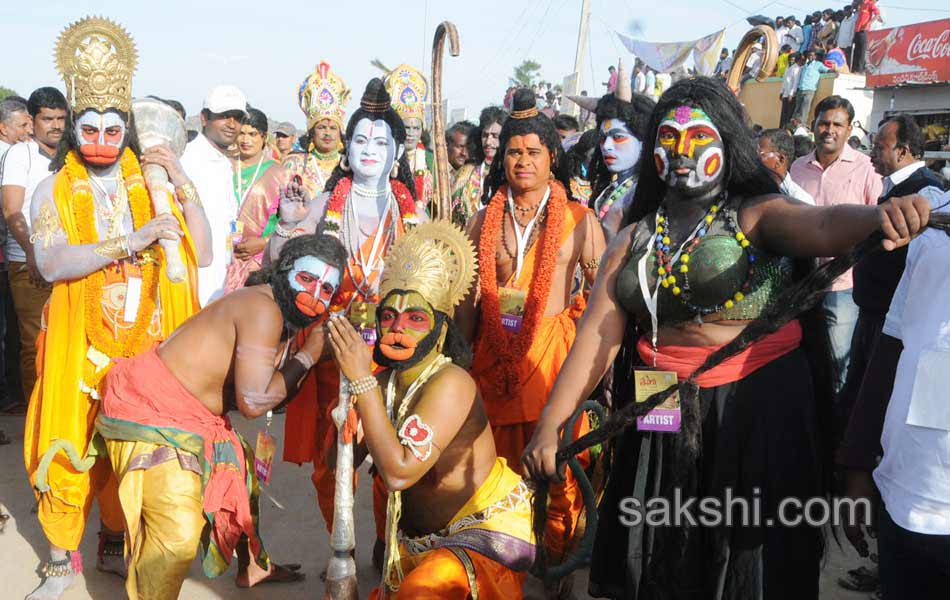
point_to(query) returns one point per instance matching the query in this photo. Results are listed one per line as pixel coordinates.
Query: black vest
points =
(877, 275)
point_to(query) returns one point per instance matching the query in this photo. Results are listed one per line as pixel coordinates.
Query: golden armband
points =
(116, 248)
(187, 193)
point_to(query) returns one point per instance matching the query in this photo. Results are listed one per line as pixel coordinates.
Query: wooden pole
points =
(770, 48)
(442, 207)
(582, 32)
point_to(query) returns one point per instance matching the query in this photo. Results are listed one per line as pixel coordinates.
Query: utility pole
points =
(582, 33)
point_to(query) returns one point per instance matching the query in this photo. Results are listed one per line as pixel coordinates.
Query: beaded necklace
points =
(666, 262)
(614, 191)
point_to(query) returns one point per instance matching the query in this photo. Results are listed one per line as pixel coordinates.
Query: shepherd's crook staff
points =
(442, 207)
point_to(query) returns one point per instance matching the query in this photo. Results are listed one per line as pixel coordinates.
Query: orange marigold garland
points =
(333, 220)
(510, 348)
(83, 208)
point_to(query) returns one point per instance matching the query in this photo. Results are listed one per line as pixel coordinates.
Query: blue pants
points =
(841, 315)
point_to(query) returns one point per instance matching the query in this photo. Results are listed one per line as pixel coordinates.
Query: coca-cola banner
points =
(917, 53)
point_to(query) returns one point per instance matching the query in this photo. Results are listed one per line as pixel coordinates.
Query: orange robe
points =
(309, 430)
(62, 406)
(514, 416)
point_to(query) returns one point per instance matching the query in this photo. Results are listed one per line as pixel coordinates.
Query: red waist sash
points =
(686, 359)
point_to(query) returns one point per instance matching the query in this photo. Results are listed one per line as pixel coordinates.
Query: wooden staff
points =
(341, 582)
(769, 40)
(442, 207)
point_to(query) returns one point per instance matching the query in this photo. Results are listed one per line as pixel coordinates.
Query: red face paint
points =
(397, 346)
(316, 294)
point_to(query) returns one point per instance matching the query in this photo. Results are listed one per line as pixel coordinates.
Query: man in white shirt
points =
(639, 79)
(781, 29)
(24, 166)
(795, 36)
(846, 32)
(790, 86)
(777, 152)
(15, 123)
(205, 161)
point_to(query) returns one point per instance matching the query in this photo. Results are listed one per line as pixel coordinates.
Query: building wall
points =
(919, 100)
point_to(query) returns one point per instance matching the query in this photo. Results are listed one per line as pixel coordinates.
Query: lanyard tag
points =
(665, 417)
(511, 301)
(363, 318)
(264, 456)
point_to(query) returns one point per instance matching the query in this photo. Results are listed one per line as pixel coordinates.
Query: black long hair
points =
(538, 124)
(745, 175)
(489, 116)
(374, 97)
(69, 142)
(636, 115)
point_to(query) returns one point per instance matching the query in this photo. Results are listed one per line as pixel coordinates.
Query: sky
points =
(267, 47)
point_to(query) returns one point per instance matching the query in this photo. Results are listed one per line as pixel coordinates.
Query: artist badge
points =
(665, 417)
(363, 317)
(512, 302)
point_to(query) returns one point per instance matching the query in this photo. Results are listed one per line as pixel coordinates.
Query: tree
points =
(5, 91)
(525, 74)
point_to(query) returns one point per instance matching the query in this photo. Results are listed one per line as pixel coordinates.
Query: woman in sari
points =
(257, 183)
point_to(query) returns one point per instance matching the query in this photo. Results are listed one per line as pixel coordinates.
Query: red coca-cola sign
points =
(918, 53)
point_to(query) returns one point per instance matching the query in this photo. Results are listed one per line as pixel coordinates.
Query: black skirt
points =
(758, 439)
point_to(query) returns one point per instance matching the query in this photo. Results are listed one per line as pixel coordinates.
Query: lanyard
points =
(650, 299)
(522, 237)
(242, 193)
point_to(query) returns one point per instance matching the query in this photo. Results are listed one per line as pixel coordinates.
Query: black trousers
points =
(913, 565)
(788, 105)
(860, 50)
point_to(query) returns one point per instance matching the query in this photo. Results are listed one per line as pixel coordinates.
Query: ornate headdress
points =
(323, 95)
(436, 260)
(409, 90)
(96, 59)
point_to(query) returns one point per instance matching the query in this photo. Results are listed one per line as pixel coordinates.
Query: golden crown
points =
(96, 59)
(323, 95)
(409, 91)
(436, 260)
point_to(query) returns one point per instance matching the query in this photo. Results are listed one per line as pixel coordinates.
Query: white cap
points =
(225, 98)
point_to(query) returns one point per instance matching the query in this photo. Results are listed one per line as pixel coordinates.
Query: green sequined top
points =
(718, 268)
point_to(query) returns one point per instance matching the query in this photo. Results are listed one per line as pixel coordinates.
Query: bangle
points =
(305, 359)
(188, 193)
(363, 385)
(288, 233)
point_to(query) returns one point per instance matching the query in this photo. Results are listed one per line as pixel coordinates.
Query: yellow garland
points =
(140, 204)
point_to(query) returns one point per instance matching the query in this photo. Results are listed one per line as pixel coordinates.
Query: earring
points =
(344, 164)
(394, 172)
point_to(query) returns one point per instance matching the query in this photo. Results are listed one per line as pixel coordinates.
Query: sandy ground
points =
(294, 533)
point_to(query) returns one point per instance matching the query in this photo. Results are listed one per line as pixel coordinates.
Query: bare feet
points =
(253, 574)
(113, 564)
(58, 575)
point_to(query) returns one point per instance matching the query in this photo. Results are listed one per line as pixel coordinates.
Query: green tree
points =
(5, 91)
(525, 74)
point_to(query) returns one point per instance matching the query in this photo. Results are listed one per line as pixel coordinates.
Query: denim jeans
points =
(841, 315)
(913, 565)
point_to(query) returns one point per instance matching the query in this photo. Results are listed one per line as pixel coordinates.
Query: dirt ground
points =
(291, 526)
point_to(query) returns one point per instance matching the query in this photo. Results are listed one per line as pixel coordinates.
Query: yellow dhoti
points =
(161, 501)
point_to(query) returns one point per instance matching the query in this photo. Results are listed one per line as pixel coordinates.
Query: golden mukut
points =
(94, 237)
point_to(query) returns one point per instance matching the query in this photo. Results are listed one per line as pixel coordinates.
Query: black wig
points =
(489, 116)
(636, 115)
(376, 104)
(538, 124)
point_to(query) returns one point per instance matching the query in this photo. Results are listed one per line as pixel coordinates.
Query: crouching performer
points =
(458, 520)
(184, 473)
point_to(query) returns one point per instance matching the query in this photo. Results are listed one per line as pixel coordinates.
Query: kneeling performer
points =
(458, 521)
(164, 418)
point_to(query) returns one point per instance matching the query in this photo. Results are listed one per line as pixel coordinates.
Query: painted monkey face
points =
(689, 151)
(101, 136)
(314, 283)
(405, 321)
(620, 148)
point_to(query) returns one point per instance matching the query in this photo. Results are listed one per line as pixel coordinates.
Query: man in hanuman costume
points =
(409, 91)
(458, 519)
(94, 237)
(369, 204)
(322, 97)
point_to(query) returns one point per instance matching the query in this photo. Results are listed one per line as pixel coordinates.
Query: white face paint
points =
(372, 151)
(100, 136)
(315, 283)
(620, 148)
(413, 131)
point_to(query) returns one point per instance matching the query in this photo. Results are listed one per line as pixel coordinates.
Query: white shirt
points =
(913, 476)
(846, 31)
(780, 33)
(3, 148)
(793, 190)
(213, 176)
(802, 131)
(794, 38)
(640, 83)
(790, 81)
(900, 176)
(23, 165)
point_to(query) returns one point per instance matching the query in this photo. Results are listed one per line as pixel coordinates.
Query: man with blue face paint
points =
(164, 415)
(622, 118)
